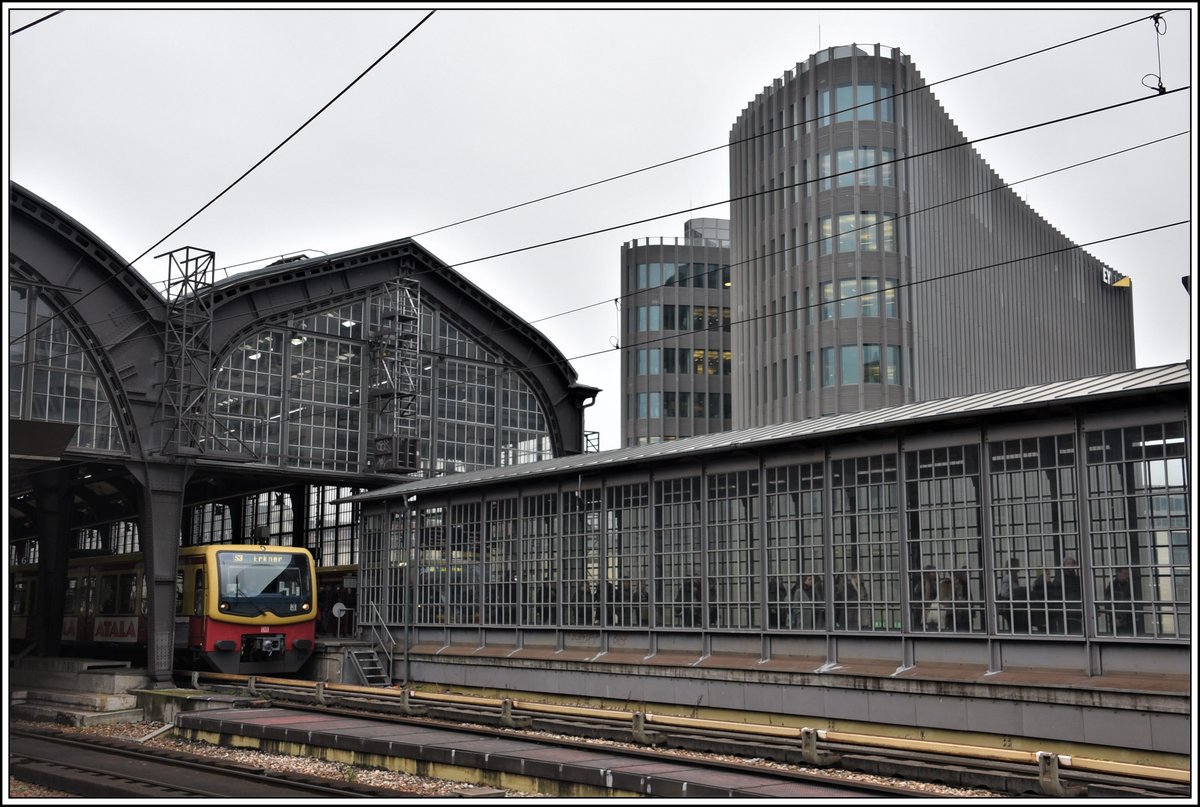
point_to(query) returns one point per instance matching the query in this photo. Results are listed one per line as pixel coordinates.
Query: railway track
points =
(99, 767)
(998, 770)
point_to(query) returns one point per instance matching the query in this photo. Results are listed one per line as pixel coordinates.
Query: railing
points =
(389, 647)
(362, 675)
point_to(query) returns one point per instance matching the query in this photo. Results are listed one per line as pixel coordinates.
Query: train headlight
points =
(304, 606)
(224, 605)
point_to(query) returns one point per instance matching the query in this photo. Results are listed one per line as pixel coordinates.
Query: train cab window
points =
(253, 583)
(178, 591)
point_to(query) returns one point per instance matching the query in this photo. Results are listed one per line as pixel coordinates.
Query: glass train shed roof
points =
(1096, 387)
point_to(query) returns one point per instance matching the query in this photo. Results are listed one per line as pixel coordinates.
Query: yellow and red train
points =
(248, 609)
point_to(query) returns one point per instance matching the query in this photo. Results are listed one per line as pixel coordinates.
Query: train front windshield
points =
(255, 583)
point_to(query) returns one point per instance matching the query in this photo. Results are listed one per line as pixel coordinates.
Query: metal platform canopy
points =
(395, 377)
(187, 348)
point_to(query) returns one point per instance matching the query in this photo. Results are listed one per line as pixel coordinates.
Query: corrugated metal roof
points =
(1114, 384)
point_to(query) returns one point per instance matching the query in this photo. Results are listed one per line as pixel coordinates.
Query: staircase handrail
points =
(390, 647)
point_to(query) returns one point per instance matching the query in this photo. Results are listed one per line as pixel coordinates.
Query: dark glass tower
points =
(676, 364)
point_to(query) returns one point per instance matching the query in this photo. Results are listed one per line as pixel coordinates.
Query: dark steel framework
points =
(1015, 563)
(237, 411)
(1019, 535)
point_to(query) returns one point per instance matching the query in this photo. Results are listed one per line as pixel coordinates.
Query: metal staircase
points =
(369, 667)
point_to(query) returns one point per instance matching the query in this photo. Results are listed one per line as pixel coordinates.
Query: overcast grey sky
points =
(131, 120)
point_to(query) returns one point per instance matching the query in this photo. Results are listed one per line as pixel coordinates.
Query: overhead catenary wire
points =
(35, 22)
(267, 312)
(248, 171)
(774, 190)
(768, 133)
(706, 151)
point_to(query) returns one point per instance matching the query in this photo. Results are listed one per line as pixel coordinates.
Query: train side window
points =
(198, 601)
(126, 593)
(69, 595)
(179, 578)
(107, 597)
(20, 597)
(87, 594)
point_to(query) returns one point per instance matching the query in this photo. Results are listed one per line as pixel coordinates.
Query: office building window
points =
(844, 102)
(889, 232)
(847, 299)
(846, 232)
(827, 299)
(851, 364)
(890, 303)
(866, 159)
(649, 318)
(845, 168)
(870, 296)
(868, 236)
(828, 368)
(888, 169)
(871, 368)
(893, 364)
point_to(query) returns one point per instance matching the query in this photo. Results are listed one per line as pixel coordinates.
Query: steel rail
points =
(1154, 773)
(227, 769)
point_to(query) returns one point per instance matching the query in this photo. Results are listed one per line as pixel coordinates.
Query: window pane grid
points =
(866, 559)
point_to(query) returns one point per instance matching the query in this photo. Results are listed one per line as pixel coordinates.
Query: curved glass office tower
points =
(877, 259)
